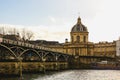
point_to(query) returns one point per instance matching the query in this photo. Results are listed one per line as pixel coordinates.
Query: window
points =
(84, 39)
(72, 39)
(78, 39)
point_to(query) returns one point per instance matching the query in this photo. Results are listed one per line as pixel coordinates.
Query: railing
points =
(24, 44)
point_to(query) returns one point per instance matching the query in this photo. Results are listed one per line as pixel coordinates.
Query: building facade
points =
(80, 46)
(118, 48)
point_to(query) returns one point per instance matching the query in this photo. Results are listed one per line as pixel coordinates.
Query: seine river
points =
(73, 75)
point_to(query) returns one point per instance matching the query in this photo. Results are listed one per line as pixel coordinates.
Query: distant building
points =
(44, 42)
(12, 37)
(118, 47)
(80, 45)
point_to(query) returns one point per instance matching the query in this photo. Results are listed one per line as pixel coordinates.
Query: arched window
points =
(78, 39)
(72, 39)
(84, 39)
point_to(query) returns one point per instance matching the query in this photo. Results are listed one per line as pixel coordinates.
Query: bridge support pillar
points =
(9, 68)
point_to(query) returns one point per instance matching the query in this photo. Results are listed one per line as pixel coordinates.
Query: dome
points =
(79, 27)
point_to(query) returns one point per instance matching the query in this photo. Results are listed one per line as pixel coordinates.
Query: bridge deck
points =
(25, 44)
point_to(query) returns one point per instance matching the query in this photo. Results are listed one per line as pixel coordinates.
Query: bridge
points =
(29, 58)
(16, 50)
(17, 57)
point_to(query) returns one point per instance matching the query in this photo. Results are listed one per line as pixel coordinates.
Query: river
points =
(73, 75)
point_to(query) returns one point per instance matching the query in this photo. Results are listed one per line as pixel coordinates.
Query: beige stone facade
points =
(79, 44)
(105, 49)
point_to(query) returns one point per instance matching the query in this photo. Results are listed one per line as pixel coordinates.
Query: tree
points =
(23, 34)
(29, 35)
(26, 34)
(13, 31)
(2, 30)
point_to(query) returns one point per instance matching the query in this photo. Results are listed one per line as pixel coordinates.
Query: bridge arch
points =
(47, 56)
(62, 58)
(6, 54)
(50, 57)
(42, 53)
(17, 50)
(17, 47)
(30, 55)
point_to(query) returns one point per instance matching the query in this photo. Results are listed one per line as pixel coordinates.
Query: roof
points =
(79, 27)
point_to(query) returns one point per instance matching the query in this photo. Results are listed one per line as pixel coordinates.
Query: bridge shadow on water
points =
(29, 76)
(70, 75)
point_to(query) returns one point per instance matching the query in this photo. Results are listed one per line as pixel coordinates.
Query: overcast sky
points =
(53, 19)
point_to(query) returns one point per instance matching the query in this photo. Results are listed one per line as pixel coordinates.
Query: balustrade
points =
(19, 43)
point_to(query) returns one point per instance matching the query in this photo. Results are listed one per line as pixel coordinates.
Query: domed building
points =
(79, 33)
(79, 44)
(82, 49)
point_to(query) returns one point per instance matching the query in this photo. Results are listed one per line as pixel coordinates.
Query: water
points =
(73, 75)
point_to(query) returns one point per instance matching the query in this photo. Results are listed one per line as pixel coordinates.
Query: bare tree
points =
(26, 34)
(13, 31)
(29, 35)
(23, 34)
(3, 30)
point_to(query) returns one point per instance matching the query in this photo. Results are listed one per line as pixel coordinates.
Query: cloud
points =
(52, 19)
(100, 16)
(43, 32)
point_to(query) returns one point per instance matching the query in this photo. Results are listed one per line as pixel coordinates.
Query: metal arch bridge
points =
(11, 50)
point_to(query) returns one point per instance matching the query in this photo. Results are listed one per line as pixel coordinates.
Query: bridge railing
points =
(24, 44)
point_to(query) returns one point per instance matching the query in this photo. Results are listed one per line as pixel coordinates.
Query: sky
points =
(53, 19)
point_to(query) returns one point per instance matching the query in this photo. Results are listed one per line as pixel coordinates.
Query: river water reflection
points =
(73, 75)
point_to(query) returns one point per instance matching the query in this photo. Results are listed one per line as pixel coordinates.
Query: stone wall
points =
(15, 68)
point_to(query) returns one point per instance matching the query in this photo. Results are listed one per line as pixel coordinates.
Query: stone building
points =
(107, 49)
(80, 46)
(118, 48)
(11, 37)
